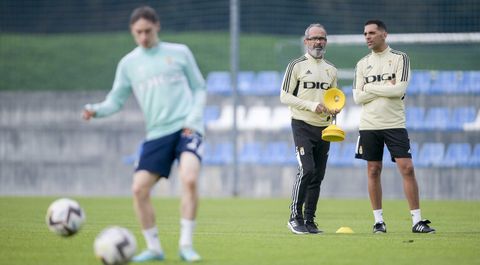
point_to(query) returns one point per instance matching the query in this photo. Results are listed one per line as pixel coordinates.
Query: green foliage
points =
(88, 61)
(251, 231)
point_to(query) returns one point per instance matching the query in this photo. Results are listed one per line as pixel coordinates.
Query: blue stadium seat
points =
(245, 81)
(387, 158)
(471, 82)
(474, 160)
(218, 82)
(208, 154)
(334, 154)
(271, 153)
(250, 153)
(431, 154)
(437, 118)
(445, 82)
(267, 83)
(457, 155)
(211, 113)
(347, 90)
(419, 83)
(414, 146)
(415, 117)
(218, 154)
(347, 156)
(460, 116)
(278, 153)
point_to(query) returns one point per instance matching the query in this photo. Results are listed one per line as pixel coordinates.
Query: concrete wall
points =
(47, 149)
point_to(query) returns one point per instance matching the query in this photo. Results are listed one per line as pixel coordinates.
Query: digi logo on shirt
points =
(316, 85)
(379, 78)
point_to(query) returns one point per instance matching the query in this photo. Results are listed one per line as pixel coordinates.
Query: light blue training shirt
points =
(167, 84)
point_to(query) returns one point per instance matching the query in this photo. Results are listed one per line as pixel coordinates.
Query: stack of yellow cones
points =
(333, 134)
(333, 99)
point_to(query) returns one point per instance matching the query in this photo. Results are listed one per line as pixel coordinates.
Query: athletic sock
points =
(152, 239)
(416, 216)
(378, 214)
(187, 228)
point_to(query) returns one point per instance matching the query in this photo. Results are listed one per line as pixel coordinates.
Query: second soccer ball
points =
(115, 246)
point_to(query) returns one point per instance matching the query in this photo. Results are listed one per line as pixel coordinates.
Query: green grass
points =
(87, 61)
(249, 231)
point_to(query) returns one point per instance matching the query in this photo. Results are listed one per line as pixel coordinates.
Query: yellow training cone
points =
(334, 98)
(344, 230)
(333, 134)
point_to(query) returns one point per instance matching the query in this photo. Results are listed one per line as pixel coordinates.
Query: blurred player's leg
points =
(143, 181)
(189, 169)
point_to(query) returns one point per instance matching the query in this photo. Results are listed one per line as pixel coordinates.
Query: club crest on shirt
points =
(169, 60)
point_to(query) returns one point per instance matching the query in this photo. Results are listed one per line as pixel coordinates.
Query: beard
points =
(316, 52)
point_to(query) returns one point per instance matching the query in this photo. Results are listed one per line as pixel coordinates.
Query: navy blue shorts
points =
(158, 155)
(371, 143)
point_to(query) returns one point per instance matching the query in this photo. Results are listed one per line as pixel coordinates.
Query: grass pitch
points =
(250, 231)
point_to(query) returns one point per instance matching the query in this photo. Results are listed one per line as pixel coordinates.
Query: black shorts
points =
(370, 144)
(158, 155)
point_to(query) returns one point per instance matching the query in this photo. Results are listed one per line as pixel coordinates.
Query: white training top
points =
(382, 101)
(305, 82)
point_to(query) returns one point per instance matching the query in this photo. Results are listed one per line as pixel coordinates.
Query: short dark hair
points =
(144, 12)
(377, 22)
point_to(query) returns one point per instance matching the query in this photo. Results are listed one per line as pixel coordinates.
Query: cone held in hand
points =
(333, 99)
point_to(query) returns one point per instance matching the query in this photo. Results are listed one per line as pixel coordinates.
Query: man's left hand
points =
(187, 131)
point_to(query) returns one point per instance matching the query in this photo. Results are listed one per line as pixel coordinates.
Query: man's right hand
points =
(322, 109)
(88, 114)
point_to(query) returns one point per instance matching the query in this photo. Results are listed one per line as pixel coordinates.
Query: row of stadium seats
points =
(442, 118)
(267, 83)
(249, 83)
(277, 118)
(444, 82)
(431, 154)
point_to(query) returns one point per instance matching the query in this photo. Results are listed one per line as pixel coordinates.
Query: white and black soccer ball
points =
(115, 246)
(65, 217)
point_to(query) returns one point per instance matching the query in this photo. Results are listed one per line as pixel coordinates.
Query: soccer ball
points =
(65, 217)
(115, 245)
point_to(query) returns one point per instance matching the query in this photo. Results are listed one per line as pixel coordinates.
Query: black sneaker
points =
(379, 227)
(297, 226)
(422, 227)
(312, 227)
